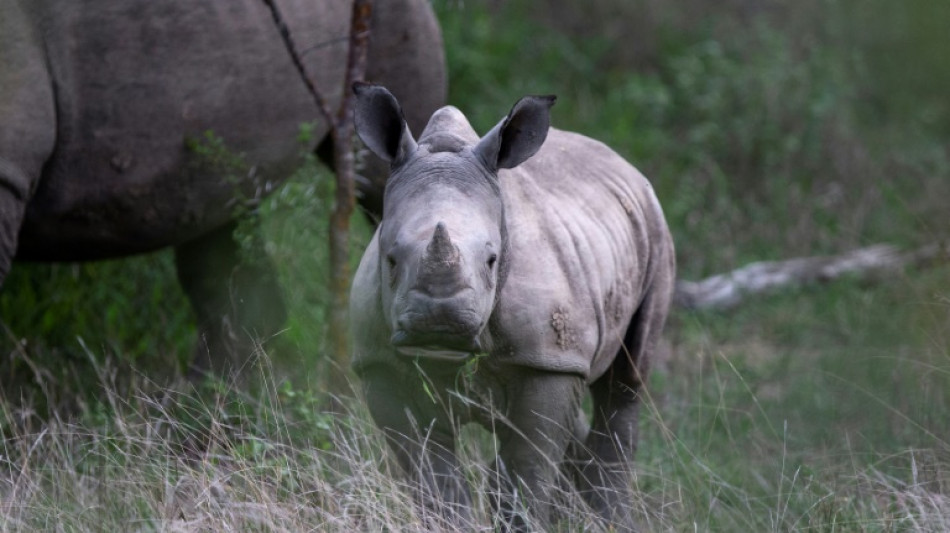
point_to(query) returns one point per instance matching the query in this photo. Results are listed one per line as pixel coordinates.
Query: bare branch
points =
(342, 133)
(324, 44)
(343, 147)
(356, 58)
(284, 30)
(729, 289)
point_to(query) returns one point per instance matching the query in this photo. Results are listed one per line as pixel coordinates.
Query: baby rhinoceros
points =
(509, 272)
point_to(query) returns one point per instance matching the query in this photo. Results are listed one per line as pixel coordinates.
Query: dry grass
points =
(216, 459)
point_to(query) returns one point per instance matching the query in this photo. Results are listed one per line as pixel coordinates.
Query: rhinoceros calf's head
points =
(442, 239)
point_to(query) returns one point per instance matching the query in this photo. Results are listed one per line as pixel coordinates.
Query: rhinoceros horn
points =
(441, 253)
(441, 262)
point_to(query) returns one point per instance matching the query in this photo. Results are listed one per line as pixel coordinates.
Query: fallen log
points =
(724, 291)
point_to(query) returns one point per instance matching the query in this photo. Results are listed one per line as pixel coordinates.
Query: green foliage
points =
(131, 313)
(56, 304)
(211, 151)
(907, 76)
(749, 134)
(212, 156)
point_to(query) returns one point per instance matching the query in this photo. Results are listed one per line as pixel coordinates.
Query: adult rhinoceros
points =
(508, 272)
(98, 99)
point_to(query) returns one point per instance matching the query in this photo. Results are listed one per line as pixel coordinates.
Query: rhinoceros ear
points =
(519, 135)
(380, 124)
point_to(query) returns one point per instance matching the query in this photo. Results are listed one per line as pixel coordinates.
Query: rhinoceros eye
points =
(391, 263)
(492, 259)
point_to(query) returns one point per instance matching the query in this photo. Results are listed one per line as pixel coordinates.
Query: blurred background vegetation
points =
(770, 129)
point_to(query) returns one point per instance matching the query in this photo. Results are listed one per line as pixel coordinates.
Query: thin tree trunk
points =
(341, 131)
(343, 148)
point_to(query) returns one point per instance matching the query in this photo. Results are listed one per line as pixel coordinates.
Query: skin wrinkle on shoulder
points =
(577, 250)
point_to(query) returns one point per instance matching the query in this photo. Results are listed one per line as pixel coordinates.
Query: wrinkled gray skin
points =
(98, 98)
(543, 252)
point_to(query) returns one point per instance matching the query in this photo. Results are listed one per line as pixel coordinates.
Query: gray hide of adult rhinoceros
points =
(98, 102)
(506, 275)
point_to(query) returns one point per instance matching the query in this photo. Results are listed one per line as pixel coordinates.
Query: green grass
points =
(767, 134)
(811, 409)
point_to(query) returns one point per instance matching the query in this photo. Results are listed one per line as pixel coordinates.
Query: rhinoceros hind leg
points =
(235, 297)
(603, 465)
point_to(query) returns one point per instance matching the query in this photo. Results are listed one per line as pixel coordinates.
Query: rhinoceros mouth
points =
(438, 354)
(438, 347)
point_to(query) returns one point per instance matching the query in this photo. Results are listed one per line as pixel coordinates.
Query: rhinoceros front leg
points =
(421, 432)
(235, 296)
(11, 215)
(540, 414)
(27, 121)
(603, 464)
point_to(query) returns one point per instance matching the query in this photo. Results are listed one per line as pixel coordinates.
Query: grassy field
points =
(769, 131)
